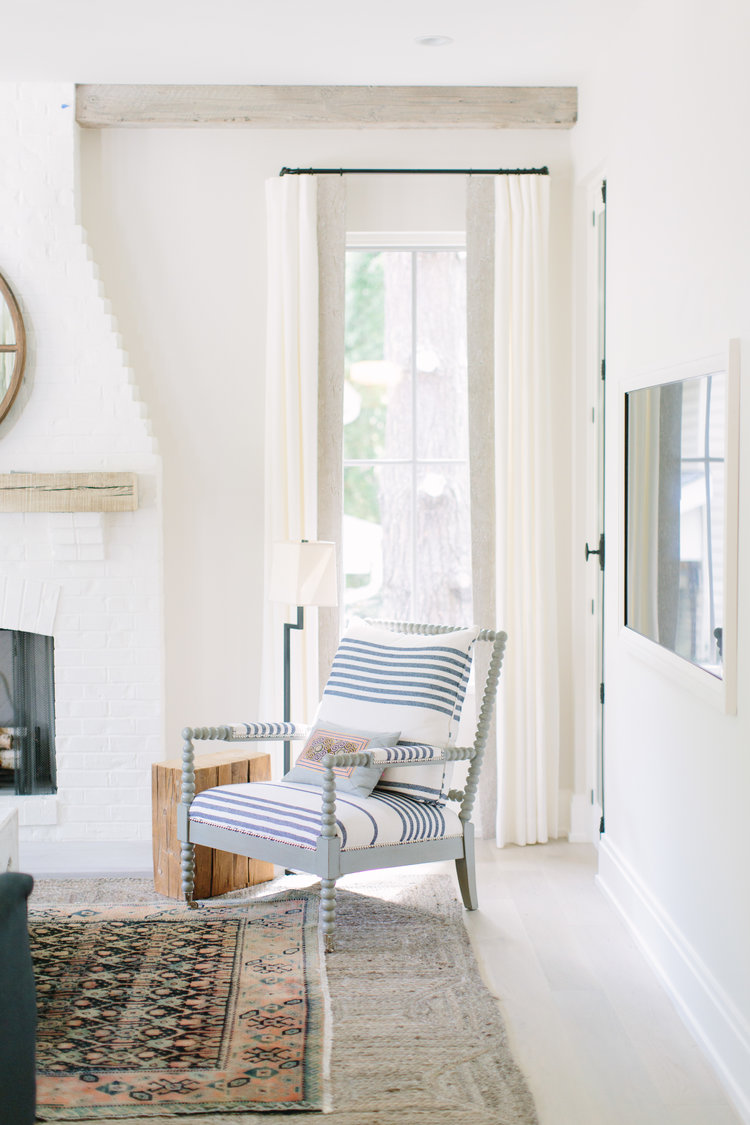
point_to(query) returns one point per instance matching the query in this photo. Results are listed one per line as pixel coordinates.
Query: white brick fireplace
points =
(91, 580)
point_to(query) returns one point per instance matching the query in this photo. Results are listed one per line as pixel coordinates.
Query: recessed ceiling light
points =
(433, 40)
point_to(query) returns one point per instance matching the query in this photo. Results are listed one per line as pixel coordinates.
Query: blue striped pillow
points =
(405, 681)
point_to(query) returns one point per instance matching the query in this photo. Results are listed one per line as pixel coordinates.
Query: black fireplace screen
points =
(27, 712)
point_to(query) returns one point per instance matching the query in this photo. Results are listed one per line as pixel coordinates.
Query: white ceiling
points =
(298, 42)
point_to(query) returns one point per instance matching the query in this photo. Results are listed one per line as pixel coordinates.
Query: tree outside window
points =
(407, 538)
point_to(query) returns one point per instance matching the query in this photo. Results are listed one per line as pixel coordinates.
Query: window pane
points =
(407, 553)
(7, 331)
(702, 397)
(377, 381)
(378, 560)
(690, 395)
(7, 365)
(717, 412)
(443, 572)
(442, 405)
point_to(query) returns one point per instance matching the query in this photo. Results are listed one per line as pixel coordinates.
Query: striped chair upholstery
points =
(382, 680)
(414, 685)
(290, 813)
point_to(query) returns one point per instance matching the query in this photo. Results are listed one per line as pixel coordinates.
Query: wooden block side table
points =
(215, 872)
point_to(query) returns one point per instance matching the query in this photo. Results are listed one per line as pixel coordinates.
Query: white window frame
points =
(404, 242)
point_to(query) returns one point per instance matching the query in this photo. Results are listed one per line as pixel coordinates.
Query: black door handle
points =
(599, 551)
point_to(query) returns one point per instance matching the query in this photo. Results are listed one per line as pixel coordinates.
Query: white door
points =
(594, 551)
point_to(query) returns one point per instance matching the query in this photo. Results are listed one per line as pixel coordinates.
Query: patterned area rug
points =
(148, 1011)
(417, 1038)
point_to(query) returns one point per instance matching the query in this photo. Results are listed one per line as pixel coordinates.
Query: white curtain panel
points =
(331, 271)
(291, 428)
(528, 722)
(480, 335)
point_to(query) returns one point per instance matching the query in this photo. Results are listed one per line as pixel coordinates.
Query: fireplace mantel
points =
(68, 492)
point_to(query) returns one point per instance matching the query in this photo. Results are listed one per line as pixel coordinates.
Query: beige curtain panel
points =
(513, 549)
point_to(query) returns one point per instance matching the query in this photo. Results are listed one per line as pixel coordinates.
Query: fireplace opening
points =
(27, 713)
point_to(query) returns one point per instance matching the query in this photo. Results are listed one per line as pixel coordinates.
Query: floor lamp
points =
(303, 573)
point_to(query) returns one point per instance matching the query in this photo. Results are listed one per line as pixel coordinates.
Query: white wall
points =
(664, 117)
(91, 580)
(177, 222)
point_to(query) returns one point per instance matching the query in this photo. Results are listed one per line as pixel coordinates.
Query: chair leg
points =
(327, 912)
(465, 870)
(187, 862)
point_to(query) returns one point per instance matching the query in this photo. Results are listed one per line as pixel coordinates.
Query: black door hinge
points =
(601, 693)
(604, 192)
(604, 369)
(601, 827)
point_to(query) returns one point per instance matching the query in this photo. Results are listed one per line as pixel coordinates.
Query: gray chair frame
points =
(328, 861)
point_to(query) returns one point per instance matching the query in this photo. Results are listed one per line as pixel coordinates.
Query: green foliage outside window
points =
(365, 306)
(364, 339)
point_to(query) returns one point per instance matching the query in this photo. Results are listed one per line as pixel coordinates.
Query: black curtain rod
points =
(414, 172)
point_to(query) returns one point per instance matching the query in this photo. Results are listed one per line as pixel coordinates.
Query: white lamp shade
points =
(304, 573)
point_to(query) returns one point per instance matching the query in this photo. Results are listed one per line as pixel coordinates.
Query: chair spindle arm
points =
(360, 758)
(188, 767)
(251, 732)
(237, 732)
(328, 806)
(484, 721)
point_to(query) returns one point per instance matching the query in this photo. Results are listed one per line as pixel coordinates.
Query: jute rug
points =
(417, 1037)
(147, 1011)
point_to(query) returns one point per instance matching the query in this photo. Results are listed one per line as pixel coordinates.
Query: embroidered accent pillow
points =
(328, 738)
(418, 683)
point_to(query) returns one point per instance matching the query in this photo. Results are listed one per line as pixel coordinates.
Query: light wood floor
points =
(589, 1023)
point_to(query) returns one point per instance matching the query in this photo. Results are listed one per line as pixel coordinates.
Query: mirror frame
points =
(720, 692)
(6, 294)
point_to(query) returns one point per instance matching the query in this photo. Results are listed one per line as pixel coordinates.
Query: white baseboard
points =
(73, 858)
(717, 1024)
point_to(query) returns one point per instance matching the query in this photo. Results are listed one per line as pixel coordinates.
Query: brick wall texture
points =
(97, 577)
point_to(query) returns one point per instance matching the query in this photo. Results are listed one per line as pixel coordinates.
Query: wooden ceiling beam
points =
(328, 107)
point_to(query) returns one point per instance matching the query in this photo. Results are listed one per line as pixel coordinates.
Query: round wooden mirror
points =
(12, 347)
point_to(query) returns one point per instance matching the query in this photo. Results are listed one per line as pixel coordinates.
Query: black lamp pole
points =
(288, 626)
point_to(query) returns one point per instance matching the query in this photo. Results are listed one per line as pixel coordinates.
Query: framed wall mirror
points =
(12, 347)
(681, 460)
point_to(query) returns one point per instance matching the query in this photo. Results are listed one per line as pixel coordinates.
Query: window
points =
(407, 536)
